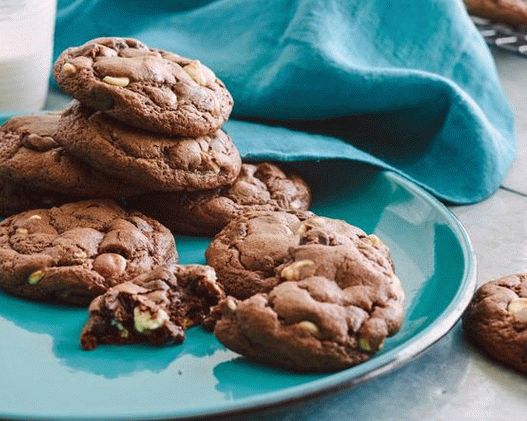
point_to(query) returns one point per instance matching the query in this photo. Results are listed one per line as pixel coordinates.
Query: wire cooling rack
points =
(513, 39)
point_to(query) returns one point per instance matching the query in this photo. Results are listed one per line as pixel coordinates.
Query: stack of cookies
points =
(146, 117)
(140, 155)
(145, 126)
(145, 120)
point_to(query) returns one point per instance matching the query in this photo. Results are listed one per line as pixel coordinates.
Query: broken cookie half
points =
(155, 308)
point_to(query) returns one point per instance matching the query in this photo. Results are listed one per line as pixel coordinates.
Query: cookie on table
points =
(512, 12)
(155, 308)
(154, 162)
(496, 320)
(77, 251)
(15, 198)
(259, 187)
(145, 87)
(30, 155)
(246, 253)
(335, 301)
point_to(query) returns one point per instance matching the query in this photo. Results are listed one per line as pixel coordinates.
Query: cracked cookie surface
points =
(155, 162)
(336, 299)
(259, 187)
(30, 155)
(155, 308)
(496, 320)
(246, 252)
(77, 251)
(145, 87)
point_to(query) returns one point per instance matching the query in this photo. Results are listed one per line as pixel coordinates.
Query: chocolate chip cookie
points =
(259, 187)
(336, 299)
(145, 87)
(16, 198)
(154, 162)
(496, 320)
(77, 251)
(155, 308)
(30, 155)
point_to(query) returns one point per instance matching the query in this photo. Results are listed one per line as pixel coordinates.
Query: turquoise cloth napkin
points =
(405, 85)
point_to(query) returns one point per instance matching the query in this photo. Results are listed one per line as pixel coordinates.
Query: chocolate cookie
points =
(16, 198)
(155, 308)
(30, 155)
(155, 162)
(496, 320)
(145, 87)
(77, 251)
(335, 301)
(246, 253)
(259, 187)
(512, 12)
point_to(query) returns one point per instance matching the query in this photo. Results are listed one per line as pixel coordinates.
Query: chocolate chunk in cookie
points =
(154, 308)
(145, 87)
(155, 162)
(77, 251)
(30, 155)
(496, 320)
(334, 304)
(259, 187)
(15, 198)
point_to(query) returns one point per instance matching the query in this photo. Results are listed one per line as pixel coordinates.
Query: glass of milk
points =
(26, 47)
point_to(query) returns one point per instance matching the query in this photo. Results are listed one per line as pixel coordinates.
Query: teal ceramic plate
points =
(45, 375)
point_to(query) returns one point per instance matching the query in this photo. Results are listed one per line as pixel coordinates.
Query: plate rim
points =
(334, 382)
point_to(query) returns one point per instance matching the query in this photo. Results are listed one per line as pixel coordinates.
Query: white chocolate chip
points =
(210, 273)
(298, 270)
(123, 332)
(201, 74)
(297, 204)
(144, 320)
(231, 305)
(22, 231)
(116, 81)
(35, 277)
(210, 277)
(301, 229)
(517, 305)
(80, 255)
(374, 240)
(68, 69)
(309, 327)
(364, 345)
(35, 218)
(310, 223)
(215, 167)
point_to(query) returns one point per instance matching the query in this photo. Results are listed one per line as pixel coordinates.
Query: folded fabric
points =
(407, 85)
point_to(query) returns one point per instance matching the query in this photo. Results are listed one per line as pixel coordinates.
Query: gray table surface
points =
(451, 381)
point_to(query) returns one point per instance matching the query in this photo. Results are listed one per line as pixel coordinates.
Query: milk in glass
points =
(26, 46)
